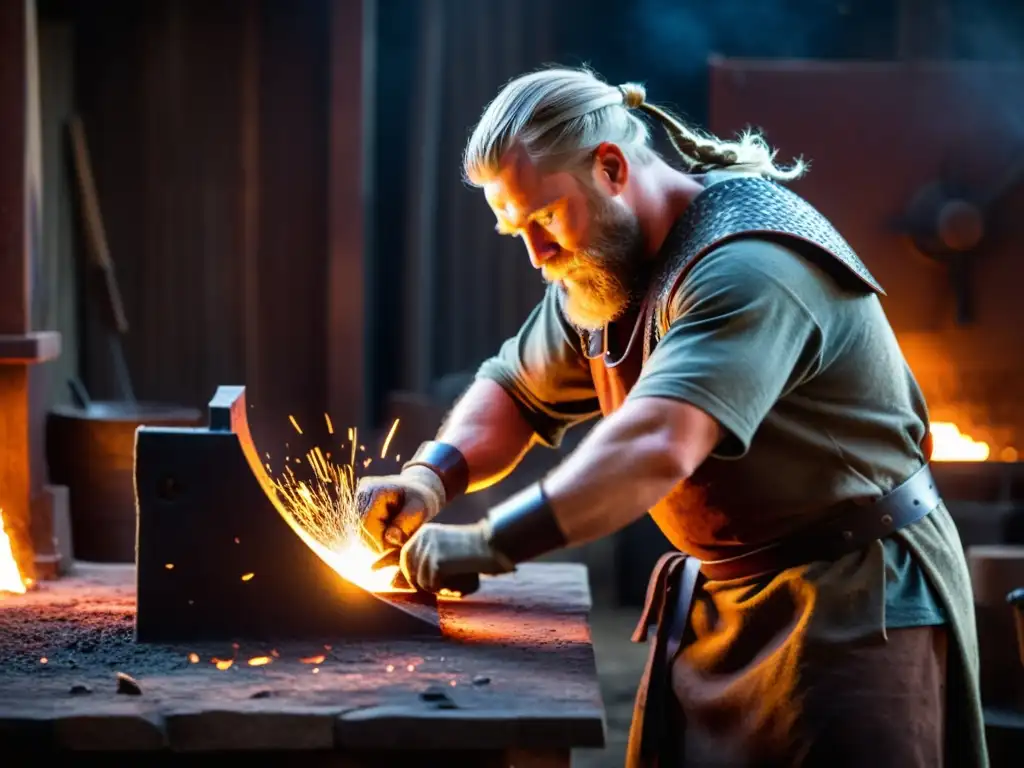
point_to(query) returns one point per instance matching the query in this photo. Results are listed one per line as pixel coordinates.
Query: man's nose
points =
(539, 246)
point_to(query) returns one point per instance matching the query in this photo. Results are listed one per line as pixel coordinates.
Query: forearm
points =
(490, 432)
(625, 466)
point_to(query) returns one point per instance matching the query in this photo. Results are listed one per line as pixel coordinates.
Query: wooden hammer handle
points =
(99, 252)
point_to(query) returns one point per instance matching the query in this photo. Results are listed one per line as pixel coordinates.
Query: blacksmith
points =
(755, 402)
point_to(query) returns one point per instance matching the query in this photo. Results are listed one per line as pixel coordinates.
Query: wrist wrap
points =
(524, 526)
(447, 462)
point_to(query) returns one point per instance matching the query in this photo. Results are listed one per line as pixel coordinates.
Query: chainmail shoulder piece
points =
(743, 207)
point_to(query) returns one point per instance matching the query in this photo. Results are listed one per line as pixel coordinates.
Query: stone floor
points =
(619, 665)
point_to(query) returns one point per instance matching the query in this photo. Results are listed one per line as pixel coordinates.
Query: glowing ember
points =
(313, 660)
(44, 660)
(387, 440)
(10, 576)
(247, 576)
(169, 566)
(259, 661)
(950, 444)
(193, 658)
(223, 664)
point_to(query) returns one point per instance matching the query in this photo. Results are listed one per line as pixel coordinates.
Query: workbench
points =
(511, 682)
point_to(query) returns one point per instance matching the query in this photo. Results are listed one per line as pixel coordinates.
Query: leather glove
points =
(392, 507)
(441, 557)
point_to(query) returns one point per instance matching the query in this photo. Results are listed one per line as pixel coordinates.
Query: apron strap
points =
(669, 599)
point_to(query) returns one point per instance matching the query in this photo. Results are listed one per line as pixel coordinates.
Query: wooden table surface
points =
(513, 674)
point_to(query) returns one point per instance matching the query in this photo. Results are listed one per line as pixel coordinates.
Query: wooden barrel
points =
(92, 452)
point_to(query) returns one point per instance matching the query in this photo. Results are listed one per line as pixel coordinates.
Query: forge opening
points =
(224, 551)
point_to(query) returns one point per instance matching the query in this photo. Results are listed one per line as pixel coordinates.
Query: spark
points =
(411, 668)
(295, 424)
(237, 541)
(193, 658)
(247, 576)
(44, 660)
(387, 440)
(222, 664)
(259, 661)
(169, 566)
(316, 670)
(274, 653)
(389, 668)
(320, 505)
(330, 427)
(313, 660)
(452, 683)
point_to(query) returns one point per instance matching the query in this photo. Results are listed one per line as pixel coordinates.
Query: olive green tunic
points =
(819, 406)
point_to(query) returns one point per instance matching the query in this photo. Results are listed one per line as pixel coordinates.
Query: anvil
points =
(216, 558)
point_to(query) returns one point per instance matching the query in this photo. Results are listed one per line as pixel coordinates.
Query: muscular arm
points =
(489, 429)
(530, 392)
(627, 464)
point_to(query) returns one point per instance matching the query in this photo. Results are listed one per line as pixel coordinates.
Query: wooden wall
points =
(209, 124)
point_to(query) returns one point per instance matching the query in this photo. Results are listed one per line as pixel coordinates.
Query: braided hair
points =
(559, 115)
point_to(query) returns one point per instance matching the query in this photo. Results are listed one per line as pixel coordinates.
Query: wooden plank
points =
(25, 349)
(14, 277)
(350, 189)
(519, 653)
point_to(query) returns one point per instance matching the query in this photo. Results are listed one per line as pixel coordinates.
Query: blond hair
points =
(559, 115)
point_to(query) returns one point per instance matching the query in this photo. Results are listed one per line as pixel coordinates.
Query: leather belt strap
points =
(676, 577)
(666, 609)
(850, 529)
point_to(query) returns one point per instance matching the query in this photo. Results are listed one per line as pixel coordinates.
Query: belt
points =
(675, 579)
(849, 529)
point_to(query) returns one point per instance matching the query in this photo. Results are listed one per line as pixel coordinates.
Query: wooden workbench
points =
(512, 682)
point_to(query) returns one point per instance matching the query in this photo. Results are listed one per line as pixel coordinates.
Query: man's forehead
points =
(516, 185)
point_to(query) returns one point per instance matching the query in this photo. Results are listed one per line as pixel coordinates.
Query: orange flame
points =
(259, 661)
(223, 664)
(950, 444)
(10, 576)
(313, 660)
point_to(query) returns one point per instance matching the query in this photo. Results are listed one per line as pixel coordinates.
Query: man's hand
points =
(393, 507)
(440, 557)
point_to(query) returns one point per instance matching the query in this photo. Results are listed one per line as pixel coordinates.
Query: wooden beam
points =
(20, 243)
(350, 191)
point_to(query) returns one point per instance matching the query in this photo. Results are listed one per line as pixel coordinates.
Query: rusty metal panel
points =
(876, 134)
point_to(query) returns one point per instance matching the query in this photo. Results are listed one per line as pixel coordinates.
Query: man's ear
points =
(610, 170)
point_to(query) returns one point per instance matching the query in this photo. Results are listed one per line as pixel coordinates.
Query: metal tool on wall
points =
(101, 266)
